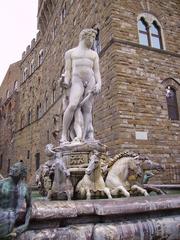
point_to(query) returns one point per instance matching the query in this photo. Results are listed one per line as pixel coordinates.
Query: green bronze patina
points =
(14, 201)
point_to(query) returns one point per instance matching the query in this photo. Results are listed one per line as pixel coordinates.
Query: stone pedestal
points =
(76, 162)
(76, 157)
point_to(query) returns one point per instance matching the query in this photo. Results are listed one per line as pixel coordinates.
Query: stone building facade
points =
(138, 108)
(8, 115)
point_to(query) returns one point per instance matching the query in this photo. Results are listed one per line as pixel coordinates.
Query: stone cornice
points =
(136, 45)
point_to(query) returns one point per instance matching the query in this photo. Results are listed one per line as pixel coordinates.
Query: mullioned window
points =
(150, 31)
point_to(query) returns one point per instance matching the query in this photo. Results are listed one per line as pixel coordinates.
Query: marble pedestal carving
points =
(76, 157)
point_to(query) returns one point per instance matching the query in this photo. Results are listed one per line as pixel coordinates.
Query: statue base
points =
(76, 156)
(78, 146)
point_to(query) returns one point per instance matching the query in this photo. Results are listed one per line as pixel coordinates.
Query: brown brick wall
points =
(8, 116)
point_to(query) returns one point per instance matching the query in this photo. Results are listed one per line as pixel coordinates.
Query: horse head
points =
(45, 170)
(49, 150)
(135, 166)
(60, 165)
(147, 164)
(93, 163)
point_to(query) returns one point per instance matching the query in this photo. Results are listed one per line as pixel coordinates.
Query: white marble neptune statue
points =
(82, 80)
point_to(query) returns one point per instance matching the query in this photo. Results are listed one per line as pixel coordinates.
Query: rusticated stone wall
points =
(131, 111)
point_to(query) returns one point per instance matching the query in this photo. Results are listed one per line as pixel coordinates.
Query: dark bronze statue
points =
(15, 202)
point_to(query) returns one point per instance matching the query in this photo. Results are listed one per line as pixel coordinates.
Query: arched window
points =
(39, 80)
(48, 39)
(9, 107)
(97, 44)
(1, 161)
(45, 101)
(8, 166)
(32, 66)
(37, 159)
(150, 31)
(143, 32)
(29, 116)
(41, 56)
(54, 92)
(16, 85)
(7, 94)
(38, 111)
(55, 28)
(3, 112)
(63, 13)
(48, 136)
(25, 74)
(156, 40)
(172, 103)
(22, 121)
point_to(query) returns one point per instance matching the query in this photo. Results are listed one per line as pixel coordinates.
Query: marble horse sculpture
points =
(44, 178)
(148, 166)
(122, 176)
(127, 172)
(93, 180)
(53, 177)
(62, 188)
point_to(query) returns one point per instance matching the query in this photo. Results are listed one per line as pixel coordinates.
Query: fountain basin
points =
(154, 217)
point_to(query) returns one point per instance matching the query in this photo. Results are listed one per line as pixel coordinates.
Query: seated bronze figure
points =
(15, 202)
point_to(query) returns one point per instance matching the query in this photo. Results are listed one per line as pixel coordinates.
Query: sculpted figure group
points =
(119, 176)
(123, 175)
(103, 176)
